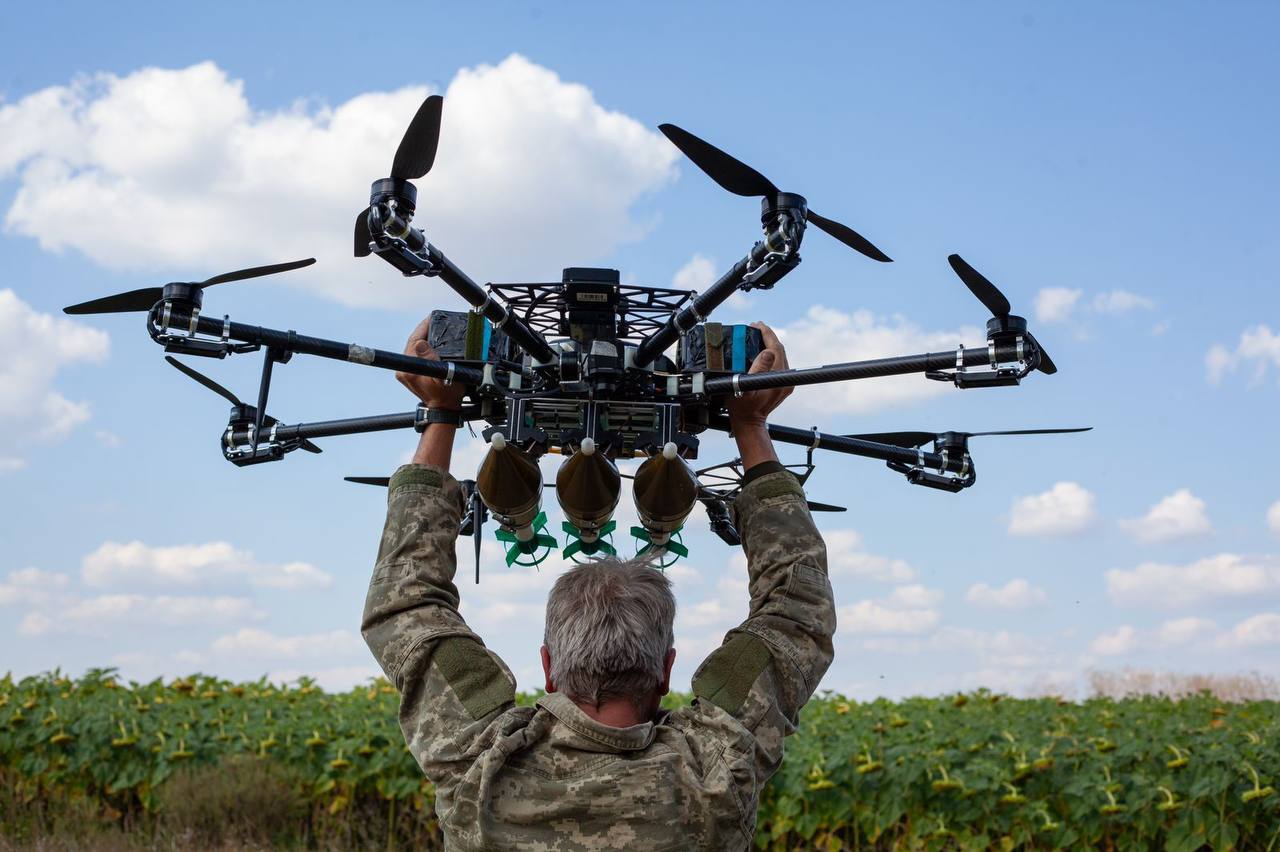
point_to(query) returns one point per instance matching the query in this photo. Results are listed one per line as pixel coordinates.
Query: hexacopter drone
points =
(578, 368)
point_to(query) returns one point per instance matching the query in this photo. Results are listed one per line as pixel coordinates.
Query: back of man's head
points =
(609, 629)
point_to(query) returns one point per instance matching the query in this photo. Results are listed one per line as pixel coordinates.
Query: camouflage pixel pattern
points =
(551, 779)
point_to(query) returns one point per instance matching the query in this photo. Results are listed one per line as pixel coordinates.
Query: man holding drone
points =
(595, 764)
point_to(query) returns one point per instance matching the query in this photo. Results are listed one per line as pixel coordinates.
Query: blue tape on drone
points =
(484, 346)
(739, 348)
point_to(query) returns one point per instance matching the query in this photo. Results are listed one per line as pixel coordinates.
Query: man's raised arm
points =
(771, 664)
(451, 686)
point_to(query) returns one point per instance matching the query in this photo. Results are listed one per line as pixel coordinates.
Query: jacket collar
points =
(571, 715)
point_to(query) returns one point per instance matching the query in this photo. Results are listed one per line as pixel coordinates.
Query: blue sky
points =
(1110, 166)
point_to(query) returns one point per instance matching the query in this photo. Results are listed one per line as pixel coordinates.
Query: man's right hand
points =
(434, 393)
(749, 413)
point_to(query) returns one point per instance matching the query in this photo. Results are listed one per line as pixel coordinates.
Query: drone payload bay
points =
(579, 368)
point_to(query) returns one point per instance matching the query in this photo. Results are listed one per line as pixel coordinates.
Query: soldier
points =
(596, 764)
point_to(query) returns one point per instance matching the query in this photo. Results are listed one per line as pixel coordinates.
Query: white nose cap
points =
(498, 441)
(669, 451)
(588, 446)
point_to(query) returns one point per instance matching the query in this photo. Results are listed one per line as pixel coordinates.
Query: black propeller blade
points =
(209, 383)
(849, 237)
(477, 524)
(384, 481)
(815, 506)
(256, 272)
(918, 439)
(134, 300)
(363, 237)
(1029, 432)
(417, 151)
(740, 179)
(204, 380)
(987, 293)
(415, 156)
(897, 439)
(142, 300)
(996, 302)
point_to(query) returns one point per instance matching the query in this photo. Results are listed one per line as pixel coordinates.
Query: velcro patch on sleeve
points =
(778, 486)
(408, 475)
(727, 676)
(474, 677)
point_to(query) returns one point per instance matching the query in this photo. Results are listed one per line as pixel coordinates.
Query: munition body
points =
(510, 484)
(666, 489)
(588, 487)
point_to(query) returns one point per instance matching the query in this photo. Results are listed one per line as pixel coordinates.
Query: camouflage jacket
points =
(549, 777)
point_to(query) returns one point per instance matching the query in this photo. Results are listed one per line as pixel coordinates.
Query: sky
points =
(1111, 166)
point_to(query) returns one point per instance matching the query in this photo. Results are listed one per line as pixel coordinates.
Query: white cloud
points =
(1056, 304)
(1064, 509)
(828, 336)
(699, 274)
(1258, 346)
(1180, 515)
(847, 557)
(1180, 631)
(525, 159)
(914, 596)
(1122, 640)
(907, 610)
(256, 644)
(107, 438)
(1121, 302)
(115, 564)
(1273, 517)
(31, 586)
(991, 649)
(1176, 633)
(33, 347)
(1216, 362)
(1015, 594)
(1220, 577)
(1263, 629)
(98, 615)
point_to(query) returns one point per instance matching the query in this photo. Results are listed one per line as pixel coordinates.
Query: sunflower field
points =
(206, 762)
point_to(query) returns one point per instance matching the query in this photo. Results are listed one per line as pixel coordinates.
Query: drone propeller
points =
(209, 383)
(385, 481)
(995, 301)
(414, 158)
(917, 439)
(740, 179)
(144, 299)
(382, 481)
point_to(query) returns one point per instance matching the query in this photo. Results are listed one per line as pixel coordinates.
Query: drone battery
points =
(712, 347)
(465, 335)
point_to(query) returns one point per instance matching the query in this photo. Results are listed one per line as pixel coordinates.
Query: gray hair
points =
(609, 628)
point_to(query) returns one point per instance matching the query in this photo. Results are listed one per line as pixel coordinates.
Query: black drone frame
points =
(667, 404)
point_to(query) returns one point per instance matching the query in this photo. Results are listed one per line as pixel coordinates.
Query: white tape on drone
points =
(360, 354)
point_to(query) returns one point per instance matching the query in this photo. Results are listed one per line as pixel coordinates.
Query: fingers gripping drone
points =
(589, 368)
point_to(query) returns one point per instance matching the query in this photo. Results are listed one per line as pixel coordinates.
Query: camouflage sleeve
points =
(770, 665)
(451, 686)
